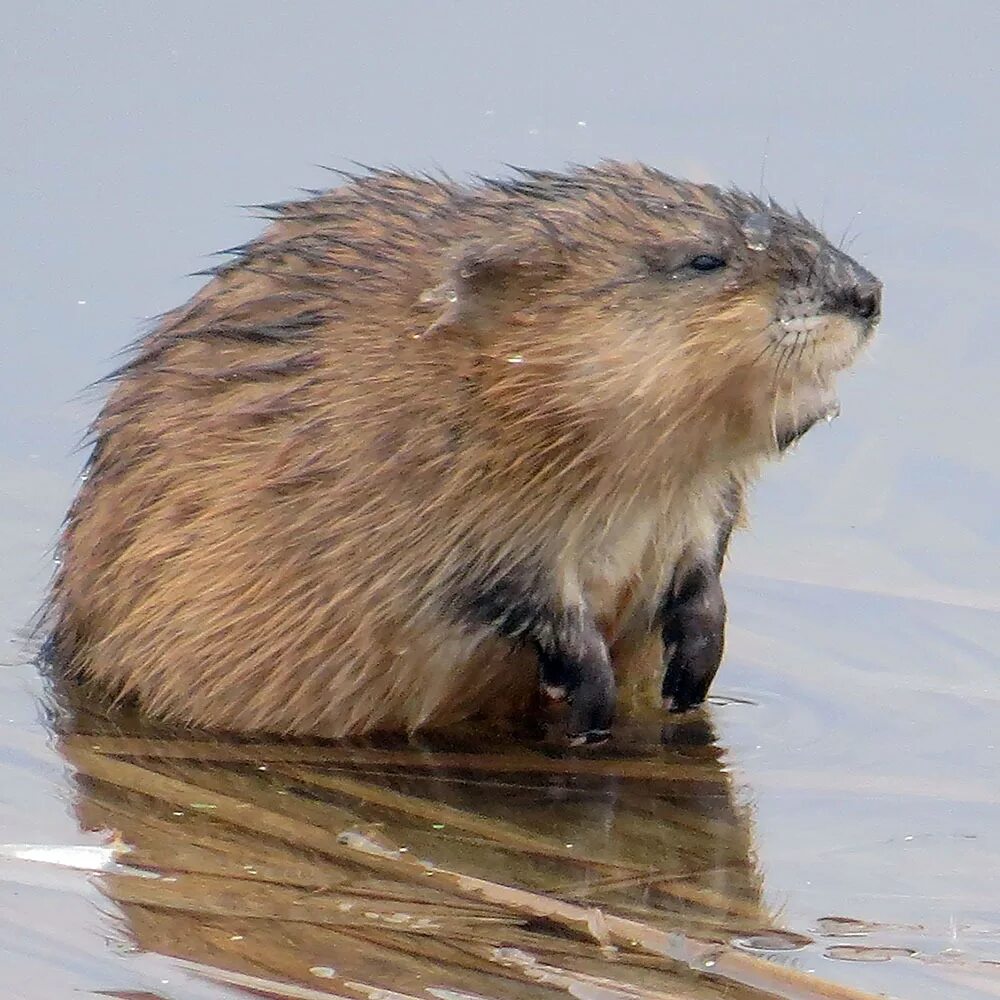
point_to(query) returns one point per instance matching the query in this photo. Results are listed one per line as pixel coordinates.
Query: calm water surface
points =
(836, 812)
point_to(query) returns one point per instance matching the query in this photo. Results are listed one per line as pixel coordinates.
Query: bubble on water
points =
(773, 941)
(861, 953)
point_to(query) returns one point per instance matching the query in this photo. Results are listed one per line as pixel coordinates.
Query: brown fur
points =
(406, 383)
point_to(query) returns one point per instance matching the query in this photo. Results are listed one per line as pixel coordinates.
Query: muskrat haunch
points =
(422, 448)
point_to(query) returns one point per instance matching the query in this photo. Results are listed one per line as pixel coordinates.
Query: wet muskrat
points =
(422, 446)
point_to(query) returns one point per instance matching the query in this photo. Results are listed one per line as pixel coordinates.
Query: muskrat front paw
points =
(694, 623)
(579, 672)
(684, 685)
(591, 710)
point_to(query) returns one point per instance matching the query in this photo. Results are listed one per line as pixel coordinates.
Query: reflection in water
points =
(522, 872)
(498, 866)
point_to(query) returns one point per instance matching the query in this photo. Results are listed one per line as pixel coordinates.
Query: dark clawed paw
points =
(676, 705)
(687, 678)
(693, 638)
(593, 738)
(580, 674)
(592, 708)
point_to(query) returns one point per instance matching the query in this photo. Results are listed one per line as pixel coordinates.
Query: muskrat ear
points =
(489, 280)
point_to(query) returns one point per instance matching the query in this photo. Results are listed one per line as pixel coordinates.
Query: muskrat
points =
(424, 446)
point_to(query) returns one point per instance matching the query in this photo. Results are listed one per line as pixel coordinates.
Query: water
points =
(837, 811)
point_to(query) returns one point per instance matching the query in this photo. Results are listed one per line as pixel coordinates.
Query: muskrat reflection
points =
(252, 841)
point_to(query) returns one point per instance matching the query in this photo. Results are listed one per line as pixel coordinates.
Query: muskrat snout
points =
(860, 300)
(851, 290)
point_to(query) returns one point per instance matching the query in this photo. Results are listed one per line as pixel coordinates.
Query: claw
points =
(593, 737)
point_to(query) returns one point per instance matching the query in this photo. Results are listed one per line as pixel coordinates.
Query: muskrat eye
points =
(706, 262)
(675, 262)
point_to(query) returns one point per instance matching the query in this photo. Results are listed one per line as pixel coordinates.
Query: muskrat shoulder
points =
(422, 444)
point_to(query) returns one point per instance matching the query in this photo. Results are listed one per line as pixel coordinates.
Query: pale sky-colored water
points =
(865, 599)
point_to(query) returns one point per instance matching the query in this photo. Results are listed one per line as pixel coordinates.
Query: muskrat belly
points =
(417, 682)
(429, 681)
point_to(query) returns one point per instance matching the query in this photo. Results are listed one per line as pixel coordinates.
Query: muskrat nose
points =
(862, 300)
(865, 300)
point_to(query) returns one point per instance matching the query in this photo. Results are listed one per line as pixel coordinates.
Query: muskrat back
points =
(422, 445)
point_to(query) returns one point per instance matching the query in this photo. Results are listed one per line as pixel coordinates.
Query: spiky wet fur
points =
(408, 388)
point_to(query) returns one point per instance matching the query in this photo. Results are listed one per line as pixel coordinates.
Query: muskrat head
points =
(748, 305)
(666, 302)
(823, 308)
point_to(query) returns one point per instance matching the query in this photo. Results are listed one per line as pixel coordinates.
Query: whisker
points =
(806, 341)
(770, 346)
